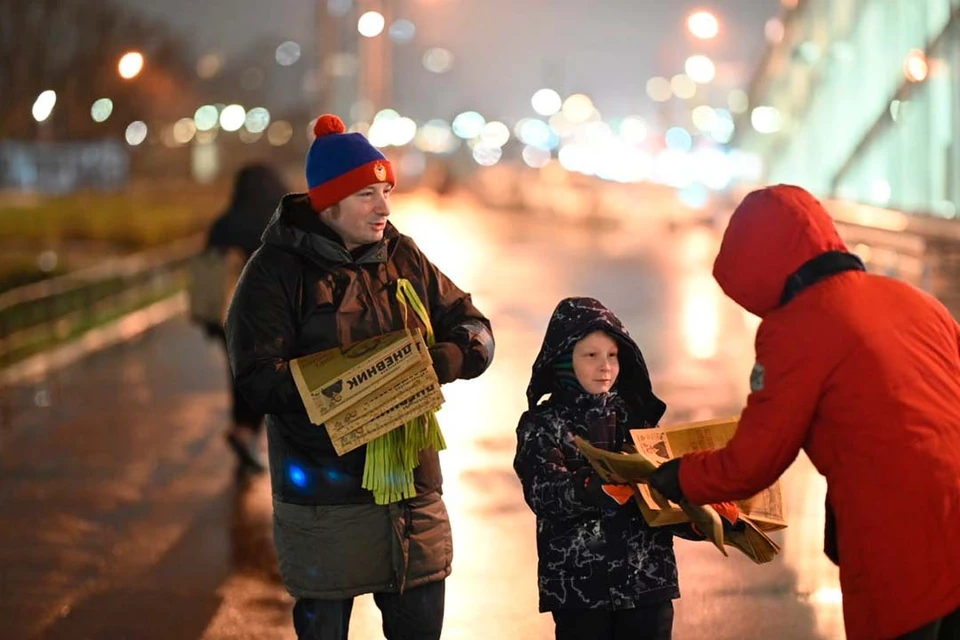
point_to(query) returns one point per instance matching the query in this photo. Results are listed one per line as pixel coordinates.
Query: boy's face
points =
(595, 362)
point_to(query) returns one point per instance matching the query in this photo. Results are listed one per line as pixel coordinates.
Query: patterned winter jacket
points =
(589, 557)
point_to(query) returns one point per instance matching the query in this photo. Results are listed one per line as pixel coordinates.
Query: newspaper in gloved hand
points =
(635, 468)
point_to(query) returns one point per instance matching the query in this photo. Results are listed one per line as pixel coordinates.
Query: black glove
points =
(447, 361)
(666, 480)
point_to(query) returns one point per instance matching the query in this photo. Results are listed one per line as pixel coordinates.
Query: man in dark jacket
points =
(326, 276)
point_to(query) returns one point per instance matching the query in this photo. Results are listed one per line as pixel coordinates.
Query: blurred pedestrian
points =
(604, 574)
(329, 275)
(863, 373)
(232, 239)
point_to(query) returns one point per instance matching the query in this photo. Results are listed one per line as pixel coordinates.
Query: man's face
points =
(596, 363)
(361, 218)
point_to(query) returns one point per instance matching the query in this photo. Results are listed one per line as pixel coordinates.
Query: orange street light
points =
(703, 25)
(915, 67)
(130, 65)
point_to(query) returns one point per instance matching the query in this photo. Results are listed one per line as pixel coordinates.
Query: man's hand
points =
(729, 514)
(447, 361)
(666, 480)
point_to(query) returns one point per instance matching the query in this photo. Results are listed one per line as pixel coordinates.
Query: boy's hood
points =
(573, 319)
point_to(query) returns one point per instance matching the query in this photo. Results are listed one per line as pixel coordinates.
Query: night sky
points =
(504, 49)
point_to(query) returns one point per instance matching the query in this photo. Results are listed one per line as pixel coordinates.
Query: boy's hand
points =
(591, 490)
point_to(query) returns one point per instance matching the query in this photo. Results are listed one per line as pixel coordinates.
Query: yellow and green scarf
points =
(391, 458)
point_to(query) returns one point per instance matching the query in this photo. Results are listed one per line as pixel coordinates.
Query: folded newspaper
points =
(634, 468)
(655, 446)
(765, 509)
(368, 389)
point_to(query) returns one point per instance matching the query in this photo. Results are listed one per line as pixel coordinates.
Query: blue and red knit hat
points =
(340, 164)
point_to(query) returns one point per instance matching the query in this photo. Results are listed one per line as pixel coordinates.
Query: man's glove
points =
(447, 361)
(592, 491)
(666, 480)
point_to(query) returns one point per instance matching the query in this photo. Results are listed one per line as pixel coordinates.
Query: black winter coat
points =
(303, 292)
(589, 557)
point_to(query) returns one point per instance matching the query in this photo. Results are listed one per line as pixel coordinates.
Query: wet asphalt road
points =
(122, 518)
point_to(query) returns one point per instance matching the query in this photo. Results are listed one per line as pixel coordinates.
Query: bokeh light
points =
(209, 65)
(232, 117)
(184, 130)
(136, 133)
(700, 69)
(766, 119)
(495, 134)
(371, 24)
(402, 31)
(130, 65)
(43, 105)
(206, 117)
(257, 120)
(916, 68)
(703, 25)
(279, 133)
(487, 156)
(683, 86)
(468, 125)
(288, 53)
(535, 157)
(101, 109)
(633, 130)
(546, 102)
(438, 60)
(578, 108)
(659, 89)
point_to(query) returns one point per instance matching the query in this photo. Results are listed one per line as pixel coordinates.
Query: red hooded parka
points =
(863, 373)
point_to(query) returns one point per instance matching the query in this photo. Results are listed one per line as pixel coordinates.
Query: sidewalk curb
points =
(129, 326)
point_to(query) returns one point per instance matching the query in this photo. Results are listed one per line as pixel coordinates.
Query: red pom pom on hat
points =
(327, 124)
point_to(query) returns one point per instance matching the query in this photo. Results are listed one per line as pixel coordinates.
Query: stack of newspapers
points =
(760, 514)
(368, 389)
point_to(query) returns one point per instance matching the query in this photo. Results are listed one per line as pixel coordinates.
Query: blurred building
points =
(860, 100)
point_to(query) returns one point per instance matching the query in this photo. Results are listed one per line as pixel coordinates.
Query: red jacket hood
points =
(771, 234)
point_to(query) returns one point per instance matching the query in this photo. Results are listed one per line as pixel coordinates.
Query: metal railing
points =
(38, 316)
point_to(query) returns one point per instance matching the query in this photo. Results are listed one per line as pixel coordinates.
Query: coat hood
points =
(771, 234)
(573, 319)
(256, 191)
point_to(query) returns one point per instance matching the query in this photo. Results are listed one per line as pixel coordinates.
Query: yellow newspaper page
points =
(765, 508)
(427, 399)
(343, 427)
(332, 380)
(614, 467)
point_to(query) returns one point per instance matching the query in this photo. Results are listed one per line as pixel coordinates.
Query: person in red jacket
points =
(862, 372)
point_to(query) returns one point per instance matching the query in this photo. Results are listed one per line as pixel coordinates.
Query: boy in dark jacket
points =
(603, 572)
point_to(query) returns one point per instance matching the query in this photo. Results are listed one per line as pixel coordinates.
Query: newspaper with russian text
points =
(369, 388)
(766, 508)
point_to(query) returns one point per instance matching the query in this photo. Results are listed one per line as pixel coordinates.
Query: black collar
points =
(813, 271)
